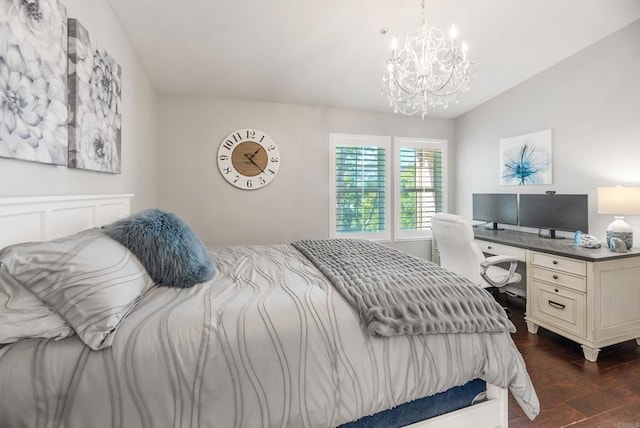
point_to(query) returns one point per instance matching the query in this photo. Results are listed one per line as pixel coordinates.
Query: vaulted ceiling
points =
(332, 52)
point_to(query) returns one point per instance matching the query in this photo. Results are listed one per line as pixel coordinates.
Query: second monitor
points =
(496, 208)
(555, 212)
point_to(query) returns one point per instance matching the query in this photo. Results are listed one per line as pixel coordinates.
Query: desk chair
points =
(460, 254)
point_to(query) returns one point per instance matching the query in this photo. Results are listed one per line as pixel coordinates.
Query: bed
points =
(268, 341)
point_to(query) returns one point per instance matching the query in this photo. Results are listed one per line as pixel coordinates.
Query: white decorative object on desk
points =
(619, 201)
(620, 229)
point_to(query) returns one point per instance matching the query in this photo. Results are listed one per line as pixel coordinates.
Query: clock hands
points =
(250, 158)
(254, 153)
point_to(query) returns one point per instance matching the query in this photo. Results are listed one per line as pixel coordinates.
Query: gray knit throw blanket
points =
(396, 293)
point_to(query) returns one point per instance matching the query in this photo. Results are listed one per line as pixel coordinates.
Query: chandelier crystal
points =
(427, 71)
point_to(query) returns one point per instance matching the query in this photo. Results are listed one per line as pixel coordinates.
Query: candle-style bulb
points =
(464, 48)
(453, 33)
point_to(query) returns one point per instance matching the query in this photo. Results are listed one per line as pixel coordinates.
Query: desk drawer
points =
(576, 267)
(559, 306)
(501, 250)
(557, 277)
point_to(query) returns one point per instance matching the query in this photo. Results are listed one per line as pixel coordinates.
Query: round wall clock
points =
(248, 159)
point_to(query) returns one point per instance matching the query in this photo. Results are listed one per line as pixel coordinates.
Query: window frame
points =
(415, 143)
(335, 140)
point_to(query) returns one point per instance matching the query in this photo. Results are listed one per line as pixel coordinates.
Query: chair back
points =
(458, 251)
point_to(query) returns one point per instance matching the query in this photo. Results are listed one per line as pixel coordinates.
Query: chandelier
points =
(426, 72)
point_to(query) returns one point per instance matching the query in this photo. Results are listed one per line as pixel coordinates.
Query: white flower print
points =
(33, 113)
(95, 88)
(98, 151)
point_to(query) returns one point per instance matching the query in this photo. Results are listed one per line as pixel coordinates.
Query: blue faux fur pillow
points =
(171, 252)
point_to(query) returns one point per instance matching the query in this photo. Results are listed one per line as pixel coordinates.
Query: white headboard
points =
(41, 218)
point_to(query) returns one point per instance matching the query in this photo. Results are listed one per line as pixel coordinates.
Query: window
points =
(419, 185)
(361, 190)
(361, 186)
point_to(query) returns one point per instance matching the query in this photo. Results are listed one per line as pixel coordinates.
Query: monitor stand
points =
(552, 235)
(494, 227)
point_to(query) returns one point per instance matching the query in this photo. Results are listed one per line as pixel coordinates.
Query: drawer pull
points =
(556, 305)
(555, 276)
(489, 247)
(555, 262)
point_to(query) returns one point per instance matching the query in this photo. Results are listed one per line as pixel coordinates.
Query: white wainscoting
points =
(39, 218)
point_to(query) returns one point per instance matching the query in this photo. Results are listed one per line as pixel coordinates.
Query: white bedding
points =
(268, 342)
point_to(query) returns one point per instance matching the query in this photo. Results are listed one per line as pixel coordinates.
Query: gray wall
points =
(296, 204)
(591, 102)
(139, 127)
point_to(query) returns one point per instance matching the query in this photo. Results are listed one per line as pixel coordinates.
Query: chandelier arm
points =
(405, 89)
(436, 90)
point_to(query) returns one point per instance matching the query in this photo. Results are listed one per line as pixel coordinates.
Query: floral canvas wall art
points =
(33, 81)
(94, 104)
(526, 159)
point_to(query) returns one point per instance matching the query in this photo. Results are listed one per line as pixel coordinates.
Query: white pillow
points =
(23, 315)
(88, 279)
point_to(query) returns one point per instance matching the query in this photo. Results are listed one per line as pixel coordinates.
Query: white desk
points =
(591, 296)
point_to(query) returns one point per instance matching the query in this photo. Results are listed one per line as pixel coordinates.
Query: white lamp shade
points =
(619, 200)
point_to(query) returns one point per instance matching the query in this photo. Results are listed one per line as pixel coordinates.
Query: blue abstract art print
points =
(526, 159)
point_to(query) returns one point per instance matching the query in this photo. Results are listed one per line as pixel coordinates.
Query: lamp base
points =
(620, 229)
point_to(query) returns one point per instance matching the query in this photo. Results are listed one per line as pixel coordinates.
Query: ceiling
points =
(332, 53)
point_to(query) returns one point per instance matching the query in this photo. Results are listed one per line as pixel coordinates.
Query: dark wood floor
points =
(572, 391)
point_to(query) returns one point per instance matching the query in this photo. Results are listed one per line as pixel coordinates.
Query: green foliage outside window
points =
(360, 189)
(421, 189)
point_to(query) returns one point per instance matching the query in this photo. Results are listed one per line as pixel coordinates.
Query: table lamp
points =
(619, 201)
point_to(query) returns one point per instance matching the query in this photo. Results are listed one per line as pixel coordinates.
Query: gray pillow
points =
(169, 249)
(88, 279)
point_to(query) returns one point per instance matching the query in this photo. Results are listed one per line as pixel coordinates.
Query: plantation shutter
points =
(421, 185)
(360, 188)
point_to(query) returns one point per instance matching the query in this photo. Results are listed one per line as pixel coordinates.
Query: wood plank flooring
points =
(572, 391)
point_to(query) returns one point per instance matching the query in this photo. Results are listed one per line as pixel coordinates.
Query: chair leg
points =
(496, 294)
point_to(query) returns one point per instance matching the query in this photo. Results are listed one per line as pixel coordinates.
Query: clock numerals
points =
(248, 159)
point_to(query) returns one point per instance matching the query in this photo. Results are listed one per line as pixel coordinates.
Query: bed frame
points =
(48, 217)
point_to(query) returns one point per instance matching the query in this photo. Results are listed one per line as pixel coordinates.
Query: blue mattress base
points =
(424, 408)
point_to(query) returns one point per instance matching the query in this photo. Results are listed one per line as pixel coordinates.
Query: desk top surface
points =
(560, 247)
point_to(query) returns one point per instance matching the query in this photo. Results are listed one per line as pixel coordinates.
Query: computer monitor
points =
(555, 212)
(495, 208)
